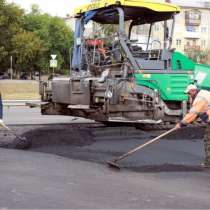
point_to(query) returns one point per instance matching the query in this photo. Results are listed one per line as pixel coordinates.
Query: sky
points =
(53, 7)
(58, 7)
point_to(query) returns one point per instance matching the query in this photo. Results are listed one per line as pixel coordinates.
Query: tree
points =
(56, 36)
(11, 20)
(109, 29)
(61, 40)
(27, 49)
(31, 38)
(200, 56)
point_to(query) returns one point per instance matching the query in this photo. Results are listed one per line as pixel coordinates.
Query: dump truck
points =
(118, 79)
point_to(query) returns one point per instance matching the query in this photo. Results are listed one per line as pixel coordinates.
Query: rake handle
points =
(144, 145)
(4, 126)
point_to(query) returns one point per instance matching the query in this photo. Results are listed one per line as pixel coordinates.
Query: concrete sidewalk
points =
(22, 115)
(19, 102)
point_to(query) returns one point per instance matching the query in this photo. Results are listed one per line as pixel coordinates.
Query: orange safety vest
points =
(201, 105)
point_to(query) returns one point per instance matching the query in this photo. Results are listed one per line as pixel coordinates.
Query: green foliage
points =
(109, 29)
(28, 48)
(105, 30)
(200, 56)
(11, 20)
(31, 38)
(56, 36)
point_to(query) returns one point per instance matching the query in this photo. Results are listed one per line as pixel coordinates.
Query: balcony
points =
(192, 22)
(192, 35)
(191, 48)
(193, 17)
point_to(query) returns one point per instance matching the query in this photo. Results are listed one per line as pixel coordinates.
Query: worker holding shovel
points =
(22, 142)
(200, 101)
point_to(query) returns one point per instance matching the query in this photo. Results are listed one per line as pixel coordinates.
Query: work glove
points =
(180, 125)
(204, 117)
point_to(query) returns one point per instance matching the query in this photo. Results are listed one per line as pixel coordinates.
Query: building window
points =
(203, 43)
(203, 29)
(193, 17)
(191, 28)
(178, 42)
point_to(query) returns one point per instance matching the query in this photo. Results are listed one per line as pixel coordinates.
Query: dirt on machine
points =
(117, 78)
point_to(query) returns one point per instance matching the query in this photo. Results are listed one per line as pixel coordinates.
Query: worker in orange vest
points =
(200, 101)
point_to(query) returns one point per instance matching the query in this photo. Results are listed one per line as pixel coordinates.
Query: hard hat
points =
(190, 87)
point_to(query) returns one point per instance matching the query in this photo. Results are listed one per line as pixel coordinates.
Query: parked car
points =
(23, 76)
(4, 75)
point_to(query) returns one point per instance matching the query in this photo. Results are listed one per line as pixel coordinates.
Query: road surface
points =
(21, 115)
(64, 168)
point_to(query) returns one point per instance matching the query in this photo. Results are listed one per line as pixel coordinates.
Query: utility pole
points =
(53, 63)
(11, 67)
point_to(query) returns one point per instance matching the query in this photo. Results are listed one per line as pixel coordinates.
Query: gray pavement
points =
(38, 180)
(65, 168)
(20, 115)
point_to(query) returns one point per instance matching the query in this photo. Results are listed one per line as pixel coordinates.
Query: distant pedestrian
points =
(200, 101)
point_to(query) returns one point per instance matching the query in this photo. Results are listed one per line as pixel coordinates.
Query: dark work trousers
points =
(207, 144)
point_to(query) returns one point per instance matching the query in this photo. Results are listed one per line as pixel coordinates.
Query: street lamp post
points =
(53, 63)
(11, 67)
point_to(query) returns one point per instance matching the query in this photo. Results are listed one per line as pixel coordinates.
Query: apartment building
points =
(192, 28)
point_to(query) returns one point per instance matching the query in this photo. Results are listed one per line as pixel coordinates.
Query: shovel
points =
(23, 144)
(114, 163)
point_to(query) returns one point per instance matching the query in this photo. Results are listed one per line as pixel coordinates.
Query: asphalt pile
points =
(181, 151)
(84, 134)
(41, 136)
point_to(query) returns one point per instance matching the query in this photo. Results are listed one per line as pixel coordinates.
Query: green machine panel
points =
(182, 62)
(170, 85)
(201, 71)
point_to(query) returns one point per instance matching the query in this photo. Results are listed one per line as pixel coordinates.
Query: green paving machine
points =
(115, 78)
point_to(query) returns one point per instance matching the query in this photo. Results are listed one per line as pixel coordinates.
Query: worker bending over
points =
(200, 101)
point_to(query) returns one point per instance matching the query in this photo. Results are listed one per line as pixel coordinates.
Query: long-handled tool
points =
(23, 144)
(114, 164)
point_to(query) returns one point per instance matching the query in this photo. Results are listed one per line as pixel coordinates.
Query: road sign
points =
(53, 57)
(53, 63)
